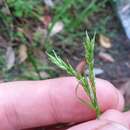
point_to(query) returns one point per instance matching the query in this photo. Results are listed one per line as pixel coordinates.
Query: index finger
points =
(27, 104)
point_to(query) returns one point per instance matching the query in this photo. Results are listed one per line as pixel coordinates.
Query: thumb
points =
(115, 116)
(110, 120)
(127, 117)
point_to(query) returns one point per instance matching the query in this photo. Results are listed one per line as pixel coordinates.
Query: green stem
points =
(33, 62)
(98, 112)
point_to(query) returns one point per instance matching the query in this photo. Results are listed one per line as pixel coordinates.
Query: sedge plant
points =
(87, 82)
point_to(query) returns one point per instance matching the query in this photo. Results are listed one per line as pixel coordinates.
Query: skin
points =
(31, 104)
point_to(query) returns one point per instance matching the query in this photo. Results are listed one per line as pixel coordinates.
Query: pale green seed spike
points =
(87, 83)
(89, 55)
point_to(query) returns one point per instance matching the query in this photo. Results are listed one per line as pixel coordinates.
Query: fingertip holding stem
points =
(115, 119)
(113, 126)
(99, 125)
(115, 116)
(110, 120)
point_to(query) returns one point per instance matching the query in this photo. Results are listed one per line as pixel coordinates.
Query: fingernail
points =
(120, 102)
(113, 126)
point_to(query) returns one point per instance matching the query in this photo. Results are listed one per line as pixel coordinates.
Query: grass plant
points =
(88, 83)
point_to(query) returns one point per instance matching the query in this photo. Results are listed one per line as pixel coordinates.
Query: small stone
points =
(123, 11)
(97, 71)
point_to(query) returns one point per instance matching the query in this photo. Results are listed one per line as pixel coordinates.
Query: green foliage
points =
(87, 83)
(73, 13)
(22, 8)
(61, 64)
(2, 61)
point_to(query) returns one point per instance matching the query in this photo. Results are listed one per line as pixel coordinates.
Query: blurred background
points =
(30, 28)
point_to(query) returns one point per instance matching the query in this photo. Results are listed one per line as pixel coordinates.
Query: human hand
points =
(29, 104)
